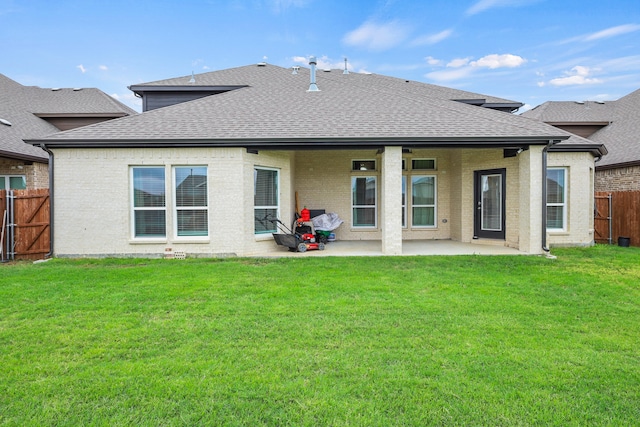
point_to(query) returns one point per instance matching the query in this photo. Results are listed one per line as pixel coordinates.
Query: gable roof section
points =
(23, 107)
(620, 120)
(275, 110)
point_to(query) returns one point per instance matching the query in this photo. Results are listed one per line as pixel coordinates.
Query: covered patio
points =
(409, 248)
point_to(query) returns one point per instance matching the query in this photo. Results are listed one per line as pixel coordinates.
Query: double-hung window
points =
(149, 202)
(556, 199)
(266, 200)
(364, 201)
(191, 205)
(423, 201)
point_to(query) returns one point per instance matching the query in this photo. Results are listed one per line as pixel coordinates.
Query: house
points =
(31, 112)
(397, 160)
(615, 124)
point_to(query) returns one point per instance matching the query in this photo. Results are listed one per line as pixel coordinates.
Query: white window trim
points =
(565, 204)
(198, 208)
(277, 207)
(374, 207)
(134, 208)
(405, 204)
(434, 205)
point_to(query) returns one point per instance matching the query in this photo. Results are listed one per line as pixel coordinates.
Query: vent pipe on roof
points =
(313, 87)
(192, 80)
(346, 69)
(295, 69)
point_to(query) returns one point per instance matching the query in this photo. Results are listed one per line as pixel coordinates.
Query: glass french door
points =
(489, 209)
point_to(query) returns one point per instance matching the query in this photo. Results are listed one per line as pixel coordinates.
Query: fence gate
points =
(602, 218)
(26, 231)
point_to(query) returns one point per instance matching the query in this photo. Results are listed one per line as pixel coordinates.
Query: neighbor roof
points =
(22, 106)
(621, 121)
(274, 109)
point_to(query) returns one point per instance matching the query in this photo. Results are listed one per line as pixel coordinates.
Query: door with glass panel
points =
(489, 204)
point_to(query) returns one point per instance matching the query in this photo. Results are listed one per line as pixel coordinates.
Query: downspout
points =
(44, 147)
(544, 196)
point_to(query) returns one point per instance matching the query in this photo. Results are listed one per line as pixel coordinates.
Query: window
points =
(556, 199)
(191, 207)
(266, 200)
(363, 201)
(423, 164)
(363, 165)
(13, 182)
(149, 205)
(423, 201)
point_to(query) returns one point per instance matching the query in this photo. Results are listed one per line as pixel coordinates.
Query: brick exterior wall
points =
(36, 174)
(619, 179)
(93, 197)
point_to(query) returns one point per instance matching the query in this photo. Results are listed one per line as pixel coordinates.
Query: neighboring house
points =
(613, 123)
(31, 112)
(397, 160)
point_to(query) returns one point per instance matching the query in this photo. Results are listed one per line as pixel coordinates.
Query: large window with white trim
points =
(423, 201)
(364, 201)
(266, 199)
(190, 201)
(556, 199)
(13, 182)
(149, 201)
(404, 201)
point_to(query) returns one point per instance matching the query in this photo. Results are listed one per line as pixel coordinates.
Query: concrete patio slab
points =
(409, 247)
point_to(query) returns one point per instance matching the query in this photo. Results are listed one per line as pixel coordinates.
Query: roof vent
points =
(327, 70)
(313, 87)
(76, 89)
(192, 80)
(55, 89)
(295, 69)
(346, 68)
(262, 64)
(580, 102)
(5, 122)
(599, 102)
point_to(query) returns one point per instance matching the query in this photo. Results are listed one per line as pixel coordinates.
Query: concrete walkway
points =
(409, 247)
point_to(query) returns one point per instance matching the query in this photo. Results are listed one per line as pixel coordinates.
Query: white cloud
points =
(103, 67)
(432, 38)
(279, 6)
(578, 75)
(433, 61)
(463, 67)
(612, 32)
(499, 61)
(482, 5)
(374, 36)
(458, 62)
(81, 68)
(324, 62)
(449, 75)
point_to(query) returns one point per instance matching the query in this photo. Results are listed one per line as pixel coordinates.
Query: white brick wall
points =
(92, 205)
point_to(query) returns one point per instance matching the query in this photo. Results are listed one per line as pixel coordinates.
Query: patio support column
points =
(530, 212)
(391, 201)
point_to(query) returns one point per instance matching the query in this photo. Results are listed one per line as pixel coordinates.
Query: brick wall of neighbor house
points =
(36, 174)
(618, 179)
(580, 222)
(93, 216)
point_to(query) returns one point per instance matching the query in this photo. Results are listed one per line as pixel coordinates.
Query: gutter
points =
(44, 147)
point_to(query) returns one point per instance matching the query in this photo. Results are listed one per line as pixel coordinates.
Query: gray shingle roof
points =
(621, 134)
(276, 107)
(20, 104)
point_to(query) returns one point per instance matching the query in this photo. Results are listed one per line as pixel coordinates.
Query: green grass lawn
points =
(375, 341)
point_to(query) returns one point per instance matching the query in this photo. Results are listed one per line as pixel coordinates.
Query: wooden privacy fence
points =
(26, 230)
(618, 211)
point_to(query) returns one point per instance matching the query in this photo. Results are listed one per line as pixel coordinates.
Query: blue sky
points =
(530, 51)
